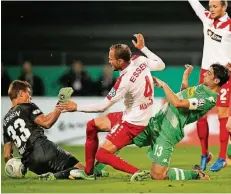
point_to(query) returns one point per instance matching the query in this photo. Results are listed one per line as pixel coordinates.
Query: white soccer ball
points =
(15, 169)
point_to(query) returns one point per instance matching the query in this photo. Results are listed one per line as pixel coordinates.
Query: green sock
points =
(100, 166)
(179, 174)
(229, 149)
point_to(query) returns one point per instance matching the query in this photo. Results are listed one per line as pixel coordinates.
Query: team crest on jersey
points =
(37, 111)
(112, 93)
(214, 36)
(191, 92)
(201, 102)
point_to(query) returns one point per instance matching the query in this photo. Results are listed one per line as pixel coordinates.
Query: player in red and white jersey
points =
(217, 49)
(135, 85)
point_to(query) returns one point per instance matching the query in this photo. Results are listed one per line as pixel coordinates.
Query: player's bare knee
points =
(102, 123)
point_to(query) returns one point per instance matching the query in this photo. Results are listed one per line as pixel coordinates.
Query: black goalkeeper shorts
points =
(48, 157)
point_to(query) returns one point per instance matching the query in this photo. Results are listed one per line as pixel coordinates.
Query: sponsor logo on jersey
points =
(214, 36)
(191, 92)
(37, 111)
(201, 102)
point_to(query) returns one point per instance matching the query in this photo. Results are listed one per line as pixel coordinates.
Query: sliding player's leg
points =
(160, 155)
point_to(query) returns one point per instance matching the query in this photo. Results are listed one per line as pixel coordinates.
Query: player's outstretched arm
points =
(154, 62)
(71, 106)
(47, 121)
(171, 96)
(198, 8)
(8, 151)
(117, 92)
(185, 77)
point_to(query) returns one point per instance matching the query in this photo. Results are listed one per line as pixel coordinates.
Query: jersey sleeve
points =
(201, 12)
(34, 111)
(153, 62)
(119, 90)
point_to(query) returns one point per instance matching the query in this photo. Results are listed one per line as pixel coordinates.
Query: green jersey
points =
(172, 120)
(165, 130)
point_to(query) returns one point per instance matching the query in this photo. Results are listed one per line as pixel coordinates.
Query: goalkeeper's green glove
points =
(65, 94)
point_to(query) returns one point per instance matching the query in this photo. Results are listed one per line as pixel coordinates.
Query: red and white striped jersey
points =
(135, 87)
(217, 37)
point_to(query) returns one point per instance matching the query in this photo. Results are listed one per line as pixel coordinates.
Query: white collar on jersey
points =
(126, 69)
(224, 18)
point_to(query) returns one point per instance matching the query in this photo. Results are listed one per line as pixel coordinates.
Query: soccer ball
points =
(15, 169)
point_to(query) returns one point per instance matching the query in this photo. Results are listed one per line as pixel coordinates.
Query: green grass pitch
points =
(183, 157)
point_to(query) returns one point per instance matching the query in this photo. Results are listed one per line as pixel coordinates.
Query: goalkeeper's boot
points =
(218, 165)
(47, 176)
(141, 175)
(205, 159)
(80, 174)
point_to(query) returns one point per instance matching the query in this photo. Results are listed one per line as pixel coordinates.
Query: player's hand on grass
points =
(140, 41)
(157, 82)
(65, 94)
(188, 70)
(70, 106)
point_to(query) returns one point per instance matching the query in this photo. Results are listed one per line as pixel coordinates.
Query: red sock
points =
(106, 157)
(224, 137)
(91, 146)
(203, 134)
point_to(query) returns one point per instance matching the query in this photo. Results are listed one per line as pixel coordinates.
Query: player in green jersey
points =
(165, 129)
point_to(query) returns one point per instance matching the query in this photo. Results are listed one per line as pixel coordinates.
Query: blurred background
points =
(57, 44)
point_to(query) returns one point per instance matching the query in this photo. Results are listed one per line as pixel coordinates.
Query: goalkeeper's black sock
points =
(64, 174)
